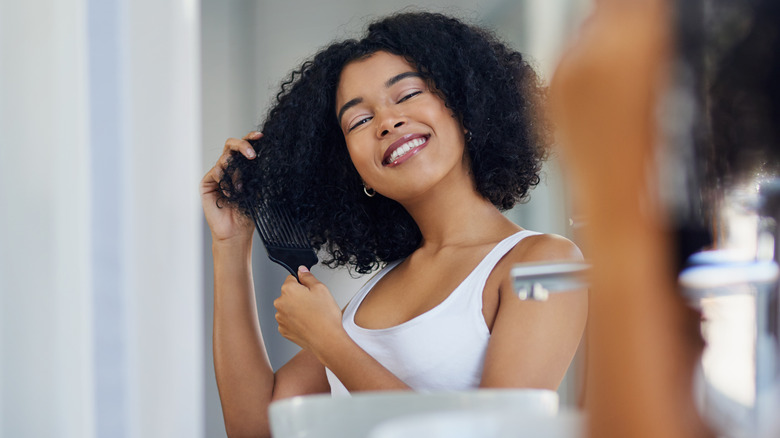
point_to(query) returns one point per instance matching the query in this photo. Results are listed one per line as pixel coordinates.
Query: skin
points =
(605, 93)
(459, 228)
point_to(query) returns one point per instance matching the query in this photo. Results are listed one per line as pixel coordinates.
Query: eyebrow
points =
(349, 105)
(395, 79)
(389, 83)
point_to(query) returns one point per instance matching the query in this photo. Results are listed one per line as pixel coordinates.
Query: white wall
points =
(45, 284)
(228, 110)
(161, 116)
(100, 233)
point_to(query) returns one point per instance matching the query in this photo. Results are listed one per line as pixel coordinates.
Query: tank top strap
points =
(354, 303)
(502, 248)
(478, 278)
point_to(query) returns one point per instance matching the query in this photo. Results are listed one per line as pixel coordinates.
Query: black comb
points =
(284, 238)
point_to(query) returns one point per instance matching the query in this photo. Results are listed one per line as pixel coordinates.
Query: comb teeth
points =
(277, 227)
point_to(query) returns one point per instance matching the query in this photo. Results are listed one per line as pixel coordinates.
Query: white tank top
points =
(442, 349)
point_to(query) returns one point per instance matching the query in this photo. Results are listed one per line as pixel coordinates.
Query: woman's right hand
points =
(226, 223)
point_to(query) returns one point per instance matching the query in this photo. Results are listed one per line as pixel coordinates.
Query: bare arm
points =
(244, 375)
(532, 343)
(246, 381)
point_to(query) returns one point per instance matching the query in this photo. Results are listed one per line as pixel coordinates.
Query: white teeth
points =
(405, 148)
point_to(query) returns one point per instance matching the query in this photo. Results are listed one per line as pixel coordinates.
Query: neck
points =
(453, 215)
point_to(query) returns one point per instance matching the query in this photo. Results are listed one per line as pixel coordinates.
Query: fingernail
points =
(250, 152)
(303, 269)
(256, 134)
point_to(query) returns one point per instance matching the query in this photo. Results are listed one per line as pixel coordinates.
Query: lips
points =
(404, 148)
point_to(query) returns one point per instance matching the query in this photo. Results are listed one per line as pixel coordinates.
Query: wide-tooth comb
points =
(284, 239)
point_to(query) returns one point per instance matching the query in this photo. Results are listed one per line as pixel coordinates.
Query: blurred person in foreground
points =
(642, 340)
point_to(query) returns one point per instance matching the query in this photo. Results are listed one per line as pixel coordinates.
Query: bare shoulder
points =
(544, 247)
(536, 248)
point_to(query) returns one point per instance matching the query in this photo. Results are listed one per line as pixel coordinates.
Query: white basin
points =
(482, 424)
(323, 416)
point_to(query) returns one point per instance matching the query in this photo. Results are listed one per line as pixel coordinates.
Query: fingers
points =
(306, 282)
(290, 281)
(307, 278)
(290, 288)
(238, 145)
(210, 181)
(254, 135)
(241, 146)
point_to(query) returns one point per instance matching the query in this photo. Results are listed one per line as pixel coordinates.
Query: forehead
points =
(361, 76)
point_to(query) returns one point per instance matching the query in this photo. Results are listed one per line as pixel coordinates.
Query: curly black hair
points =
(302, 160)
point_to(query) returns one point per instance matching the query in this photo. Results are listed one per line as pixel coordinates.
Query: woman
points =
(396, 151)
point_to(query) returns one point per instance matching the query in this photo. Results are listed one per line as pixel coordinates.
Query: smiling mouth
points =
(405, 150)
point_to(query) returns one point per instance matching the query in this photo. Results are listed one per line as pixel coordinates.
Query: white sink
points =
(323, 416)
(483, 424)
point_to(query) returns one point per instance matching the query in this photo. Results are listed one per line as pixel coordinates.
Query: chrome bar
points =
(536, 281)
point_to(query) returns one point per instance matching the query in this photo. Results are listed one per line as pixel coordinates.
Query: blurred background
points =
(111, 111)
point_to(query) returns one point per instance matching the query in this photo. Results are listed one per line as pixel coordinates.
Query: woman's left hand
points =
(306, 312)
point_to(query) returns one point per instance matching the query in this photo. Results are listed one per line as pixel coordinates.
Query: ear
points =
(368, 191)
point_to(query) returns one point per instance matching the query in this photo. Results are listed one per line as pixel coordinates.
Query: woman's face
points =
(401, 137)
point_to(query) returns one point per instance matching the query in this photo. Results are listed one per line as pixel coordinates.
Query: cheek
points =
(444, 118)
(361, 157)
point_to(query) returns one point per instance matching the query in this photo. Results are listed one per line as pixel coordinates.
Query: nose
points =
(389, 122)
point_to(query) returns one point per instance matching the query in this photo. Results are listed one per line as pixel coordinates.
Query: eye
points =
(359, 122)
(409, 96)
